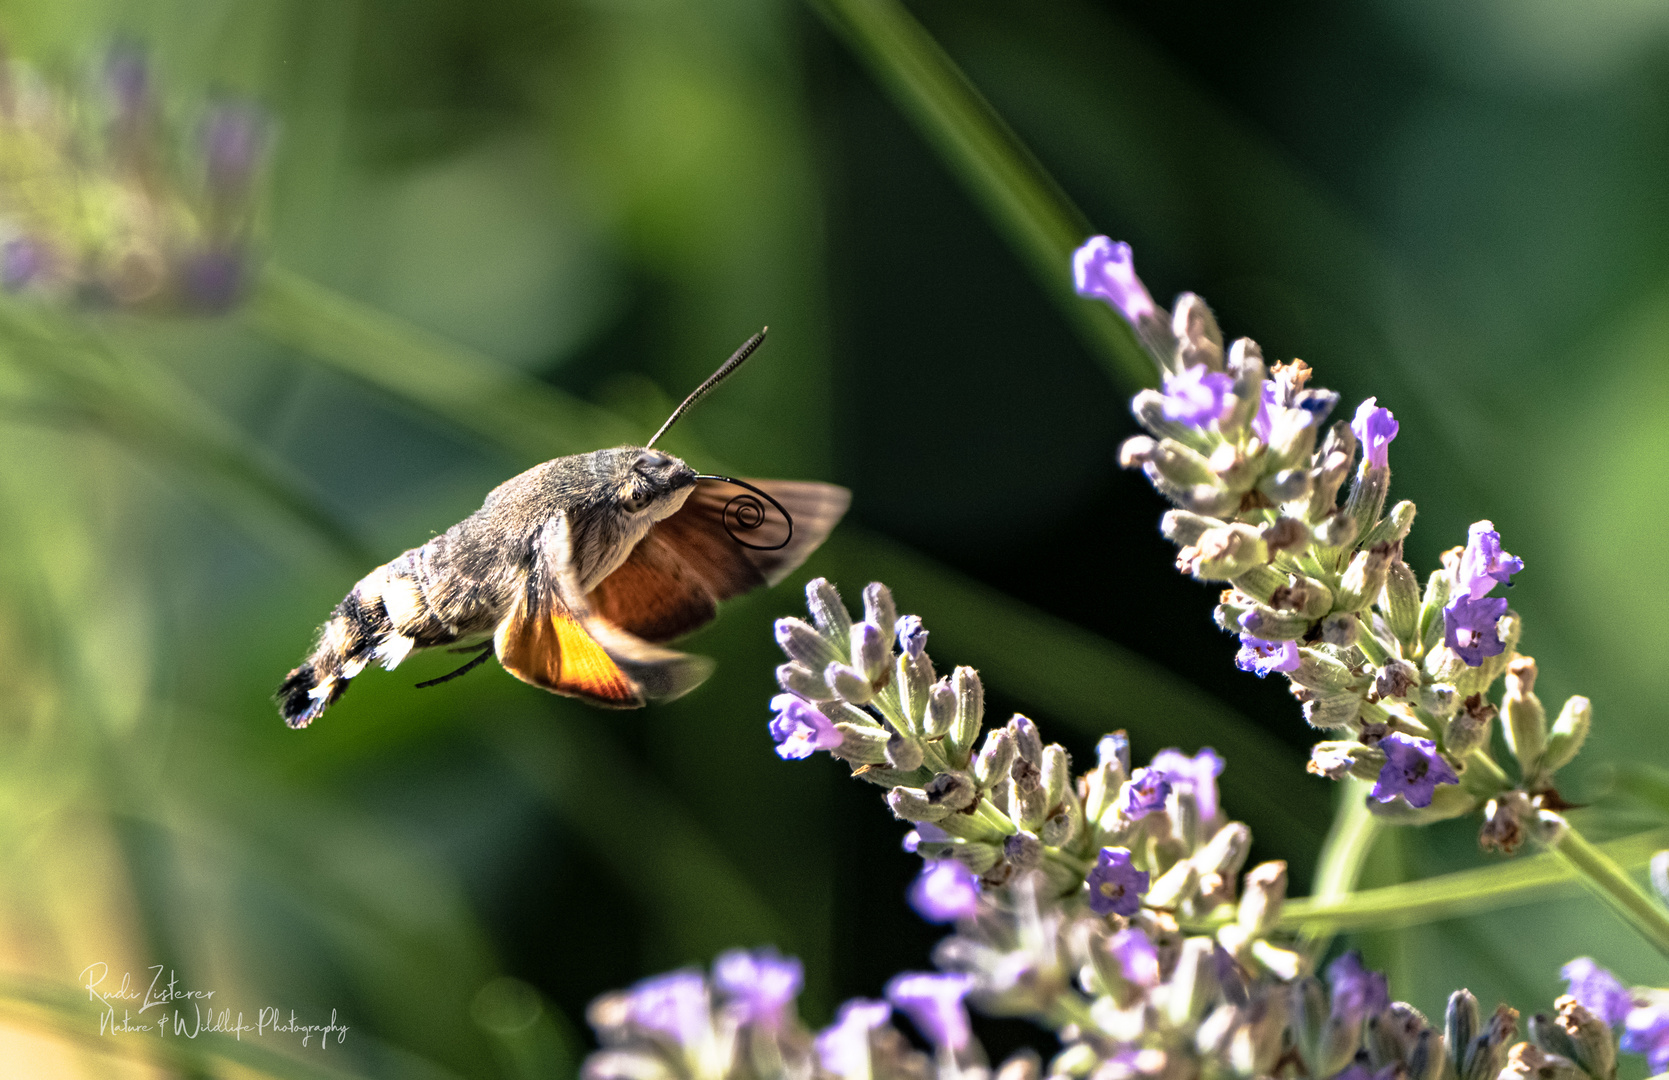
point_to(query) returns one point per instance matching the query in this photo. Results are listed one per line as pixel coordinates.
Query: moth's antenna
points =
(713, 380)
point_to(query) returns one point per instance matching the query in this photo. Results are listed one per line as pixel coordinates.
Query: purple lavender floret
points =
(1359, 1071)
(759, 985)
(1483, 565)
(1197, 396)
(1145, 792)
(912, 637)
(1375, 428)
(1198, 774)
(1469, 627)
(925, 832)
(1116, 887)
(945, 891)
(1358, 993)
(1646, 1031)
(801, 729)
(1413, 769)
(214, 279)
(1260, 657)
(1597, 990)
(21, 259)
(843, 1047)
(675, 1005)
(1137, 957)
(127, 74)
(1106, 271)
(233, 133)
(934, 1004)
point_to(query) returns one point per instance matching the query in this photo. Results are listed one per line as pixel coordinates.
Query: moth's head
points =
(646, 485)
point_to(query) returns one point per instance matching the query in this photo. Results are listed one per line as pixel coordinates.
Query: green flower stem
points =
(1078, 866)
(1021, 198)
(1452, 896)
(1343, 854)
(995, 818)
(1625, 896)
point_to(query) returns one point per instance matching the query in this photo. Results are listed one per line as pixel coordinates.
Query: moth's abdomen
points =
(382, 619)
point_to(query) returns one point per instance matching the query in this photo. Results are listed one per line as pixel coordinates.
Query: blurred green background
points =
(500, 232)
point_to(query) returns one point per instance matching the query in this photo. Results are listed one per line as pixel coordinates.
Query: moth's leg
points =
(483, 651)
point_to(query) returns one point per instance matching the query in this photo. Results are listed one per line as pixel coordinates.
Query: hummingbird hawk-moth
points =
(577, 572)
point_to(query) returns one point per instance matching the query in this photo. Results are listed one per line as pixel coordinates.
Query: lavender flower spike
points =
(758, 985)
(1469, 628)
(1138, 959)
(1260, 657)
(945, 892)
(1375, 428)
(1413, 769)
(1646, 1031)
(1483, 565)
(1597, 990)
(675, 1005)
(1357, 992)
(1105, 270)
(801, 729)
(1116, 887)
(1196, 396)
(934, 1003)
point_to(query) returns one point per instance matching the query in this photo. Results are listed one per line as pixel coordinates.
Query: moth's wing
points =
(552, 640)
(674, 579)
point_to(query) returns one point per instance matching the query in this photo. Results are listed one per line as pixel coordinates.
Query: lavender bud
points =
(871, 650)
(978, 857)
(1175, 886)
(1075, 1061)
(1504, 820)
(1149, 408)
(1027, 742)
(878, 607)
(1271, 625)
(1431, 607)
(1336, 760)
(915, 681)
(1393, 527)
(1330, 466)
(903, 754)
(1023, 850)
(1198, 340)
(1460, 1024)
(1483, 1058)
(1363, 578)
(828, 610)
(1309, 1012)
(1469, 727)
(861, 744)
(1286, 534)
(1396, 679)
(803, 643)
(1337, 529)
(953, 791)
(1193, 983)
(1115, 748)
(1336, 710)
(1287, 486)
(1223, 553)
(803, 682)
(1025, 802)
(1264, 892)
(1060, 830)
(1340, 630)
(1185, 529)
(995, 758)
(1057, 773)
(970, 714)
(1439, 700)
(1569, 732)
(1225, 852)
(941, 710)
(848, 684)
(1526, 720)
(1401, 603)
(1321, 671)
(912, 804)
(1526, 1061)
(1023, 1065)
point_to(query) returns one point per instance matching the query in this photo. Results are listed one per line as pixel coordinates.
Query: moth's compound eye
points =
(638, 501)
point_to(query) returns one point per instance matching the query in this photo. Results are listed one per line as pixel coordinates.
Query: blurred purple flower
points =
(800, 729)
(233, 135)
(1196, 396)
(675, 1005)
(925, 832)
(934, 1004)
(1375, 428)
(1198, 773)
(1137, 957)
(945, 891)
(1358, 994)
(843, 1047)
(1597, 990)
(1116, 887)
(214, 279)
(1469, 627)
(21, 259)
(1646, 1031)
(1413, 769)
(759, 985)
(1105, 270)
